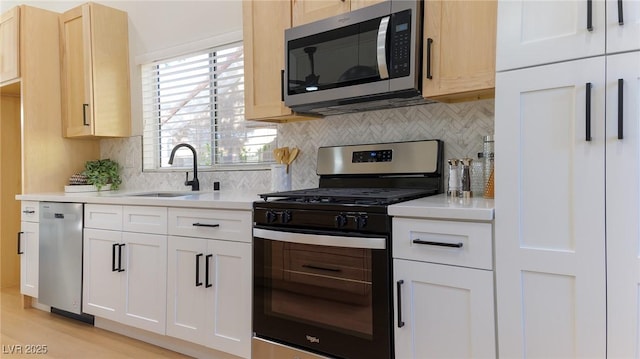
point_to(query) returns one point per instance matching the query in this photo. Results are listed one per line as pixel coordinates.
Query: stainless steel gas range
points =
(322, 257)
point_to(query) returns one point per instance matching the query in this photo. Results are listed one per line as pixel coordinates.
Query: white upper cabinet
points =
(539, 32)
(623, 25)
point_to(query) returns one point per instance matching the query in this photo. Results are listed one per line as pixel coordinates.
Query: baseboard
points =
(163, 341)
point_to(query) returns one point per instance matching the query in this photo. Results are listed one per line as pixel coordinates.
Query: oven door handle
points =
(322, 240)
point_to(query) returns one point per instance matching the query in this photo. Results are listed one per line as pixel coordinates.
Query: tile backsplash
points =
(461, 127)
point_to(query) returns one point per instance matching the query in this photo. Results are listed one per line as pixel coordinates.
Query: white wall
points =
(160, 27)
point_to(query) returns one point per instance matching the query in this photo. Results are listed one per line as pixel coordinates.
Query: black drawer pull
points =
(205, 225)
(312, 266)
(28, 211)
(439, 244)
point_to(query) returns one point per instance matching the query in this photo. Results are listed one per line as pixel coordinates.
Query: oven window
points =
(321, 286)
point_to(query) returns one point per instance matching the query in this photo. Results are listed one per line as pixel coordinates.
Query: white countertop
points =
(237, 200)
(443, 207)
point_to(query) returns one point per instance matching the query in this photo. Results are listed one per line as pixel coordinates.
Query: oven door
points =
(328, 294)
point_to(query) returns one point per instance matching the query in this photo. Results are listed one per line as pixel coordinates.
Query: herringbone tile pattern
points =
(460, 126)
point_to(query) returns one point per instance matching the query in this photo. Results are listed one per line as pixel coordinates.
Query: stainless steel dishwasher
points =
(60, 262)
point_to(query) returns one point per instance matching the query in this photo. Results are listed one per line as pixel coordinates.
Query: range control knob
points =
(285, 217)
(341, 220)
(270, 216)
(361, 221)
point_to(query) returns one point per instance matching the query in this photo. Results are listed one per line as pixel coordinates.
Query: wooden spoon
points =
(277, 155)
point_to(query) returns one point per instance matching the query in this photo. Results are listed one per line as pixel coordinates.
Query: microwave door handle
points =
(381, 48)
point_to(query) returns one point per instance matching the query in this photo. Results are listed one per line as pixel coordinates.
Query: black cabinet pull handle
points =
(120, 269)
(282, 85)
(198, 282)
(590, 15)
(206, 271)
(206, 225)
(311, 266)
(84, 114)
(588, 113)
(439, 244)
(399, 291)
(620, 108)
(113, 257)
(20, 242)
(429, 43)
(620, 14)
(28, 211)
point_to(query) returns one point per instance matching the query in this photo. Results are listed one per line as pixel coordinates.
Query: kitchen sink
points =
(160, 194)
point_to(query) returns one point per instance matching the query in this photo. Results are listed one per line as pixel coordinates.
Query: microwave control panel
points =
(400, 61)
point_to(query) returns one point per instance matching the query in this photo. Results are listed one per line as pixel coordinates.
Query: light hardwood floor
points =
(63, 337)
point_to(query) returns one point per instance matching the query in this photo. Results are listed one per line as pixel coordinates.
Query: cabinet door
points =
(306, 11)
(549, 203)
(229, 277)
(96, 97)
(186, 297)
(77, 102)
(539, 32)
(623, 206)
(9, 45)
(28, 249)
(623, 25)
(446, 311)
(144, 283)
(101, 291)
(459, 49)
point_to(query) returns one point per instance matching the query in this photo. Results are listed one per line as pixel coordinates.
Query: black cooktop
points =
(370, 196)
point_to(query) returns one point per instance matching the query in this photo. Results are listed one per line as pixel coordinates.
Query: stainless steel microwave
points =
(365, 59)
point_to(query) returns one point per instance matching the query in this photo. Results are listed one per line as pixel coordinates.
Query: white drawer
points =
(103, 216)
(211, 223)
(466, 244)
(30, 211)
(144, 219)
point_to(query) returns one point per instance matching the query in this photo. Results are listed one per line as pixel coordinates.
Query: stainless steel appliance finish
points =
(366, 59)
(322, 256)
(397, 158)
(60, 263)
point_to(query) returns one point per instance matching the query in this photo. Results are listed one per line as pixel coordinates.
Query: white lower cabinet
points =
(124, 273)
(125, 277)
(28, 248)
(209, 293)
(443, 310)
(209, 278)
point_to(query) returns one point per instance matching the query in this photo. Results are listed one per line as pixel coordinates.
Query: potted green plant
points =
(102, 172)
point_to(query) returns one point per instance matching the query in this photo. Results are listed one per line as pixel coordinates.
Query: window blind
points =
(199, 99)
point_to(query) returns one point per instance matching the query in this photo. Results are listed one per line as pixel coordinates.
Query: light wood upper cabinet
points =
(459, 50)
(306, 11)
(9, 45)
(357, 4)
(264, 23)
(96, 97)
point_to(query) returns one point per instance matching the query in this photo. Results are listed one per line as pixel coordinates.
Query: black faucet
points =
(195, 185)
